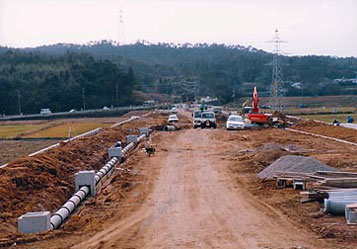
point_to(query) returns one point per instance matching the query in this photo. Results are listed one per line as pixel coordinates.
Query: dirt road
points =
(196, 204)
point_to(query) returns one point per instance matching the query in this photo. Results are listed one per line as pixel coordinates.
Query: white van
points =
(45, 111)
(196, 117)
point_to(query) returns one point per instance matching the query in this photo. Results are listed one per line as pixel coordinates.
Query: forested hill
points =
(54, 76)
(219, 66)
(58, 82)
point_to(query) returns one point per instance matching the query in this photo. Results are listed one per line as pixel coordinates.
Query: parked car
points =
(196, 117)
(45, 111)
(173, 118)
(235, 122)
(208, 120)
(173, 110)
(217, 110)
(105, 108)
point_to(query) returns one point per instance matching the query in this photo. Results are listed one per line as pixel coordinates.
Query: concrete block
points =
(85, 178)
(351, 214)
(280, 183)
(114, 152)
(298, 185)
(34, 222)
(145, 131)
(132, 138)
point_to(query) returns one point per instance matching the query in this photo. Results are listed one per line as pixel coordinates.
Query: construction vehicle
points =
(254, 116)
(276, 119)
(246, 108)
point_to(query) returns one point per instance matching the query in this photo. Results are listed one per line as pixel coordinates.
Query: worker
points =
(117, 144)
(202, 106)
(350, 119)
(335, 122)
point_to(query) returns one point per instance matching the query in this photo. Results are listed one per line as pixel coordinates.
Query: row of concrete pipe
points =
(59, 217)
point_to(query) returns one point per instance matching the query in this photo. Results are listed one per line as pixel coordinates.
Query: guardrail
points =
(77, 113)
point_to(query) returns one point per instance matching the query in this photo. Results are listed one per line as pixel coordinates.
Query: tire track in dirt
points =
(194, 204)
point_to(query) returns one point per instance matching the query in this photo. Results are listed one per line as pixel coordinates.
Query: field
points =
(66, 130)
(317, 101)
(12, 149)
(9, 131)
(52, 129)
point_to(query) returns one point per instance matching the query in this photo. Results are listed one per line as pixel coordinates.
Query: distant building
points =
(296, 85)
(346, 81)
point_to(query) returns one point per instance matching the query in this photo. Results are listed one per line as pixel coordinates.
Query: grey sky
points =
(326, 27)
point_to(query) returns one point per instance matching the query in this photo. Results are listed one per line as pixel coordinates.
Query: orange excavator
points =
(255, 117)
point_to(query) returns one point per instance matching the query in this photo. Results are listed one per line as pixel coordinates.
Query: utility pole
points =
(84, 100)
(121, 36)
(116, 95)
(19, 100)
(277, 76)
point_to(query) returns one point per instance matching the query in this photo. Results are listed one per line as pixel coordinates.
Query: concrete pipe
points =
(97, 178)
(62, 214)
(70, 206)
(337, 206)
(170, 128)
(75, 200)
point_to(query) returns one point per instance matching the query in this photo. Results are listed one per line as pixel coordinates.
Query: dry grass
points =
(9, 131)
(62, 131)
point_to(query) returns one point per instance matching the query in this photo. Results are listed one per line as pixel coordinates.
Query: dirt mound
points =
(45, 181)
(328, 130)
(294, 164)
(270, 146)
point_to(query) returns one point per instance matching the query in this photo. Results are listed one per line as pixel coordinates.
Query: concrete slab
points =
(34, 222)
(85, 178)
(132, 138)
(114, 152)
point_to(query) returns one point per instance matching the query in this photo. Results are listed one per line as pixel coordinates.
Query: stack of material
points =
(295, 164)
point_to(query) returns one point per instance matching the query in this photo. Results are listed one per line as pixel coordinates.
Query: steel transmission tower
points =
(276, 90)
(121, 36)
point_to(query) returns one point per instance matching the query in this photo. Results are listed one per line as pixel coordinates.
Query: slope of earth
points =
(45, 181)
(328, 130)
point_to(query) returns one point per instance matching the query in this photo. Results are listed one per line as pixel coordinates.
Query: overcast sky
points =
(326, 27)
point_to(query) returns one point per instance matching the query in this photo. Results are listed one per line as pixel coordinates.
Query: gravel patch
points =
(292, 163)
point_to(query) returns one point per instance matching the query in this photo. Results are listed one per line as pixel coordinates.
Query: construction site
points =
(188, 130)
(178, 187)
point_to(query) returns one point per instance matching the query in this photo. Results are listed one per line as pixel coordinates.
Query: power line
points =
(121, 35)
(19, 100)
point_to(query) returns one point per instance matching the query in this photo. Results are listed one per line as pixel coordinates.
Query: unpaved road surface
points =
(195, 203)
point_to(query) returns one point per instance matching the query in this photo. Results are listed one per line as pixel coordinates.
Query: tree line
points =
(54, 76)
(30, 81)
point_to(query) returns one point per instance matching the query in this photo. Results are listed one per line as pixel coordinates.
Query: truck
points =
(196, 118)
(208, 120)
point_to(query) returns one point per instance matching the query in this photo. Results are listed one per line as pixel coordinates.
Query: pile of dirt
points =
(45, 181)
(291, 163)
(270, 147)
